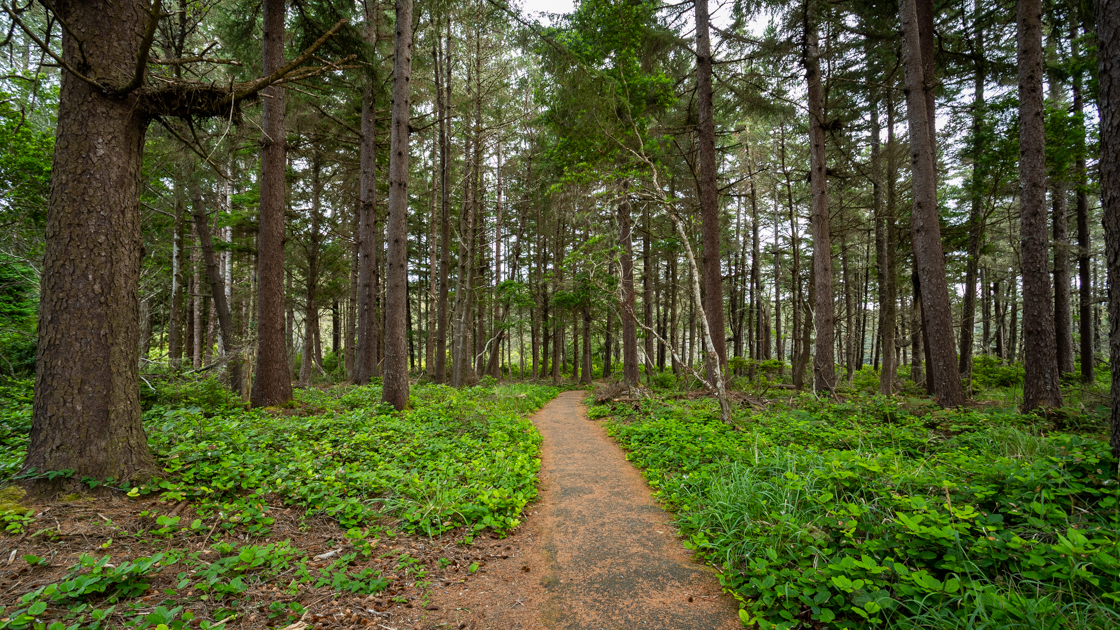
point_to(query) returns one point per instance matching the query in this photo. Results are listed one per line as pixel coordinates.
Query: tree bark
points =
(365, 358)
(709, 193)
(1085, 312)
(824, 358)
(1108, 64)
(273, 383)
(975, 210)
(1059, 204)
(86, 409)
(929, 258)
(1040, 384)
(395, 388)
(629, 320)
(444, 105)
(217, 290)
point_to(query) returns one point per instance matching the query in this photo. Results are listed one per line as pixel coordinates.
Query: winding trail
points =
(595, 553)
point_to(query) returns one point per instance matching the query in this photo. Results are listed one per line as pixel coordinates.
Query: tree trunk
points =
(929, 258)
(1108, 63)
(1085, 288)
(217, 290)
(395, 389)
(975, 211)
(882, 254)
(443, 98)
(629, 318)
(1059, 204)
(709, 194)
(175, 317)
(824, 361)
(365, 357)
(1040, 384)
(86, 410)
(272, 384)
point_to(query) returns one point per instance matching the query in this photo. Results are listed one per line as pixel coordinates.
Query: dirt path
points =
(596, 553)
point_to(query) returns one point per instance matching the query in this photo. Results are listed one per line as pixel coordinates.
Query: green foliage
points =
(988, 372)
(862, 514)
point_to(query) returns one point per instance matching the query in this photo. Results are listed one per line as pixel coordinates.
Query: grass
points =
(876, 513)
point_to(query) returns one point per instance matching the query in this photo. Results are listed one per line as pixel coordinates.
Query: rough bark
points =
(929, 258)
(709, 194)
(272, 384)
(395, 389)
(824, 357)
(1059, 205)
(86, 411)
(175, 318)
(1040, 384)
(1108, 63)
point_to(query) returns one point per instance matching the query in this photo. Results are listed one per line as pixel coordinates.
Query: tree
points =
(929, 257)
(1040, 384)
(1108, 64)
(824, 321)
(709, 193)
(86, 412)
(365, 361)
(395, 390)
(272, 384)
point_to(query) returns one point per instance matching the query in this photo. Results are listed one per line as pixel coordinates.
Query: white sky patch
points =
(534, 8)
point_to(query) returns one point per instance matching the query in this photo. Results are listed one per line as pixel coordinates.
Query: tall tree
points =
(824, 320)
(1040, 384)
(929, 257)
(272, 384)
(395, 390)
(365, 360)
(86, 412)
(629, 317)
(709, 192)
(1108, 64)
(1080, 175)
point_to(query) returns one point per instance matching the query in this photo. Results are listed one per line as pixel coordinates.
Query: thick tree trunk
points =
(1040, 384)
(824, 358)
(1108, 63)
(929, 258)
(273, 383)
(629, 319)
(709, 194)
(86, 411)
(395, 389)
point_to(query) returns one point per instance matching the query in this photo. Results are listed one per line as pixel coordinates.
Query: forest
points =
(290, 288)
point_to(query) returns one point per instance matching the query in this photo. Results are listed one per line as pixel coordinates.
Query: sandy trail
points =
(595, 553)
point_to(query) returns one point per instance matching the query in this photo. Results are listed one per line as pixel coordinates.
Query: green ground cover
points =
(357, 473)
(869, 513)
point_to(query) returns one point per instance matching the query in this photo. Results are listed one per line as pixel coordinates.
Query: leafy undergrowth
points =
(335, 510)
(864, 514)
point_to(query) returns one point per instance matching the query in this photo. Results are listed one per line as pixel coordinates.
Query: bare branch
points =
(47, 49)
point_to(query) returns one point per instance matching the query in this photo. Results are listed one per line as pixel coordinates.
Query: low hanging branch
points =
(182, 98)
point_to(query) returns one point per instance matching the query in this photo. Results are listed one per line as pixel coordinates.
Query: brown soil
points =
(595, 552)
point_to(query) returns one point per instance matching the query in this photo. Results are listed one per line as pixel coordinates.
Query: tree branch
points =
(145, 48)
